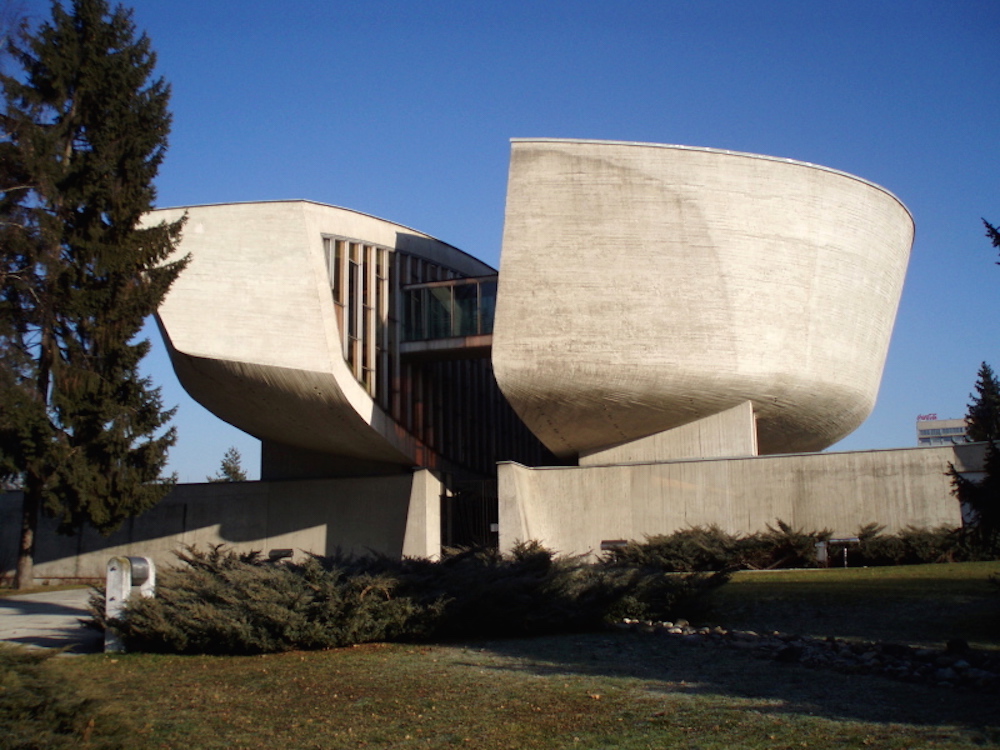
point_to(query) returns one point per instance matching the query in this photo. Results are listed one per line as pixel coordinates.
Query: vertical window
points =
(365, 282)
(354, 303)
(337, 272)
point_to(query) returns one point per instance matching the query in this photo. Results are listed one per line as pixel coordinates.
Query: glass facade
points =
(453, 407)
(449, 309)
(364, 281)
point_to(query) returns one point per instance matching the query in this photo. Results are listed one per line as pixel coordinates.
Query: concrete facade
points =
(574, 509)
(724, 435)
(396, 516)
(643, 287)
(253, 330)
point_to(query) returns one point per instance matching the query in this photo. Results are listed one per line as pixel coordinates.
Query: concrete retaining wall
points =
(568, 509)
(573, 509)
(397, 516)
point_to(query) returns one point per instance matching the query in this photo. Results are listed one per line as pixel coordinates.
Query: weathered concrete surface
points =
(252, 332)
(643, 287)
(49, 619)
(573, 509)
(724, 435)
(397, 516)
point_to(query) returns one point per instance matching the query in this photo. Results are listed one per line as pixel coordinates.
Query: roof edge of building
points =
(727, 152)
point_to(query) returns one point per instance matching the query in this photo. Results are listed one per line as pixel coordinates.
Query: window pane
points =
(487, 305)
(466, 313)
(438, 312)
(337, 261)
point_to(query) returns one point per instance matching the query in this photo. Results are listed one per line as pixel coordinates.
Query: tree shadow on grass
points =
(79, 640)
(666, 666)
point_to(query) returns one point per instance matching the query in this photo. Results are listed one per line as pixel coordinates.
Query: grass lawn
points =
(913, 604)
(603, 690)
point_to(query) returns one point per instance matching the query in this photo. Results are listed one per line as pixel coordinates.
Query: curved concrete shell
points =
(643, 287)
(255, 335)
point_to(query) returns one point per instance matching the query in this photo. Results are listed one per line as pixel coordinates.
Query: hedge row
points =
(222, 602)
(707, 548)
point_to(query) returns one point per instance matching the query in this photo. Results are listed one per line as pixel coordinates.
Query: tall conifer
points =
(983, 417)
(993, 234)
(84, 131)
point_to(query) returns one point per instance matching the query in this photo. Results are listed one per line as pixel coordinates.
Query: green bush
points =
(221, 602)
(40, 711)
(790, 548)
(707, 548)
(697, 548)
(480, 592)
(911, 546)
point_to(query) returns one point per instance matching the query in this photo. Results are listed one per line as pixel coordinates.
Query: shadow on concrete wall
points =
(317, 516)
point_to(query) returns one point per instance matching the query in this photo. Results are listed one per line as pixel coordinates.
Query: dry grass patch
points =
(592, 690)
(605, 690)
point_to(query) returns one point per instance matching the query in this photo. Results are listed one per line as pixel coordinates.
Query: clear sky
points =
(404, 110)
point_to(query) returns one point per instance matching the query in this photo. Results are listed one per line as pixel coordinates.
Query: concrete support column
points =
(422, 537)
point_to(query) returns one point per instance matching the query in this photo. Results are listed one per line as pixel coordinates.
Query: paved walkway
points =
(49, 620)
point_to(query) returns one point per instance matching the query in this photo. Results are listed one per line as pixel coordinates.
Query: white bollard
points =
(125, 573)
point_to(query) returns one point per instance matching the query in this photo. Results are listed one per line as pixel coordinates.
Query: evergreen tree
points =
(84, 130)
(994, 235)
(981, 502)
(983, 417)
(231, 468)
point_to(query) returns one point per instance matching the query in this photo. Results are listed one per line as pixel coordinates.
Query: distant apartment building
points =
(934, 431)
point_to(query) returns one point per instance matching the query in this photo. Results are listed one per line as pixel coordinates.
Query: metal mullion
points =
(357, 250)
(343, 260)
(370, 340)
(383, 333)
(395, 334)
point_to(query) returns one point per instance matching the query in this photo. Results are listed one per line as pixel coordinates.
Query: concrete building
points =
(934, 431)
(699, 280)
(672, 335)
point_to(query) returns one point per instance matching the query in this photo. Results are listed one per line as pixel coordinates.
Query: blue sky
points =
(405, 110)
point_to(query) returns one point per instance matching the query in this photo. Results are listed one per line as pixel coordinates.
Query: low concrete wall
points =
(397, 516)
(568, 509)
(573, 509)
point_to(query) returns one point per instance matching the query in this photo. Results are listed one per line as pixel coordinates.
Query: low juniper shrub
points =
(910, 546)
(222, 602)
(708, 548)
